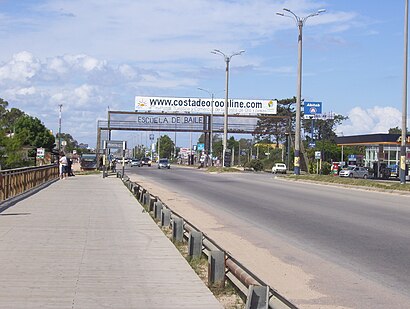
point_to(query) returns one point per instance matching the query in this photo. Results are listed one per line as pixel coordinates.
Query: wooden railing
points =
(17, 181)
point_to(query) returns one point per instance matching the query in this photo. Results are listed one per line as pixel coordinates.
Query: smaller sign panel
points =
(200, 147)
(114, 144)
(325, 116)
(318, 155)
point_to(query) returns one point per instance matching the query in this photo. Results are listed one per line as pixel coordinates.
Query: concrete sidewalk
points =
(84, 242)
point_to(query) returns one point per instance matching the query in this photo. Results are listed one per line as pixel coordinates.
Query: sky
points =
(93, 55)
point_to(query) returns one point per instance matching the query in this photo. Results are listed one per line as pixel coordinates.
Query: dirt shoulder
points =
(289, 279)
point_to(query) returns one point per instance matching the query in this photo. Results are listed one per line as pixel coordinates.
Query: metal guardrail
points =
(14, 182)
(241, 277)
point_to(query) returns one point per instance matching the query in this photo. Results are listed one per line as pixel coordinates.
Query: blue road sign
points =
(200, 147)
(312, 108)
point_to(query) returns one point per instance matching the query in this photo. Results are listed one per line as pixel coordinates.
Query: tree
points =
(71, 142)
(396, 130)
(166, 147)
(276, 128)
(32, 132)
(324, 129)
(217, 146)
(3, 108)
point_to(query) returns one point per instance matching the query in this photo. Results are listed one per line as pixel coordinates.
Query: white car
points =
(279, 168)
(354, 172)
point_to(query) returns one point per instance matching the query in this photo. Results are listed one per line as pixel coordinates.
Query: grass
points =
(90, 172)
(365, 183)
(222, 169)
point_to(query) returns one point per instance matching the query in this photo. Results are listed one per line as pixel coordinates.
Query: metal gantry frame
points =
(127, 122)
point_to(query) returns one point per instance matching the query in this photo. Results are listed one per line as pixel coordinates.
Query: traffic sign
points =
(200, 147)
(318, 155)
(40, 153)
(312, 145)
(312, 108)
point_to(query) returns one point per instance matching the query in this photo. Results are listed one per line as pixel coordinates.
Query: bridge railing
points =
(17, 181)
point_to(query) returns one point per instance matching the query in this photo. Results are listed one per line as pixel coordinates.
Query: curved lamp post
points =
(227, 60)
(300, 21)
(211, 120)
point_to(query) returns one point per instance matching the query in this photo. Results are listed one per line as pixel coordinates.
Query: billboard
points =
(205, 106)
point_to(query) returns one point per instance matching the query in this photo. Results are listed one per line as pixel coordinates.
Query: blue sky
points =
(91, 54)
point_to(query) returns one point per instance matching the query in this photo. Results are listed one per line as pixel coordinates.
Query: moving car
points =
(279, 168)
(164, 163)
(146, 161)
(135, 162)
(354, 172)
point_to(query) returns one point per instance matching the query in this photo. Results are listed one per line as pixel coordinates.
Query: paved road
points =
(364, 233)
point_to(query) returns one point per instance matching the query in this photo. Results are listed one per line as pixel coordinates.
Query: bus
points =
(88, 161)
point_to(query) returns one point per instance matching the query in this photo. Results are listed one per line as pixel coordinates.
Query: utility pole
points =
(403, 148)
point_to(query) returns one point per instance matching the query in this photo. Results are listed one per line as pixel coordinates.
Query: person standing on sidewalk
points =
(63, 166)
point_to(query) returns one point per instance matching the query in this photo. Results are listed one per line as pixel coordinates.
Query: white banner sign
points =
(204, 106)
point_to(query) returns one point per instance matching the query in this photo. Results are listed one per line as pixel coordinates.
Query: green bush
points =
(267, 163)
(257, 165)
(326, 167)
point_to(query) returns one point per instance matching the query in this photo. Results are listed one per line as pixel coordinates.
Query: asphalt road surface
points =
(365, 233)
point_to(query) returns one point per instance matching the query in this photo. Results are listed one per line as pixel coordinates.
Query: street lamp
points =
(211, 120)
(59, 129)
(300, 21)
(227, 60)
(404, 108)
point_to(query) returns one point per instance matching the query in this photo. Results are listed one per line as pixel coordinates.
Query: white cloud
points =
(21, 68)
(105, 52)
(372, 120)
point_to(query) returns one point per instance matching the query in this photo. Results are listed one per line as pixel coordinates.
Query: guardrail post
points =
(165, 217)
(258, 297)
(216, 268)
(136, 189)
(152, 202)
(147, 199)
(177, 229)
(195, 244)
(141, 199)
(154, 208)
(157, 210)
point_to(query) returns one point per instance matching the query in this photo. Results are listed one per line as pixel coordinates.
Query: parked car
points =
(135, 162)
(354, 172)
(279, 168)
(164, 163)
(146, 161)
